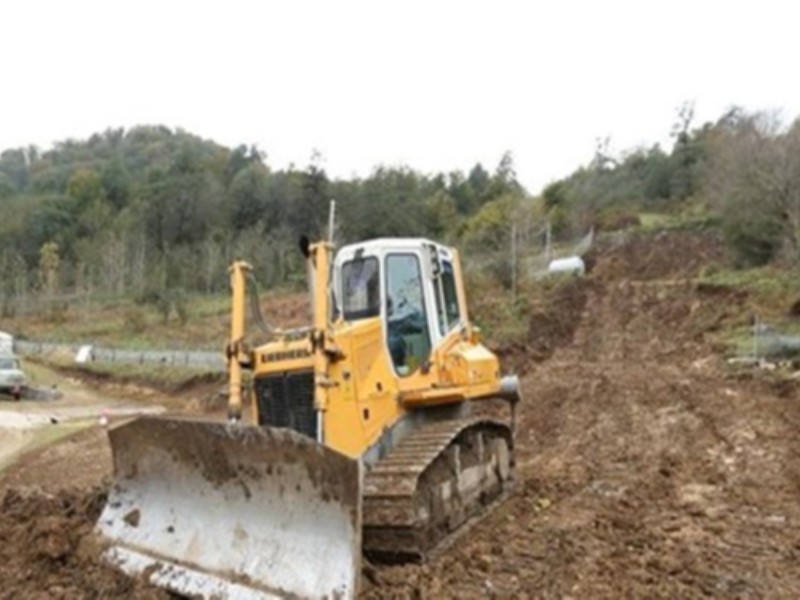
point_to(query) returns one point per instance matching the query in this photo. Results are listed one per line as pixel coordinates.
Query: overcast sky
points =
(431, 84)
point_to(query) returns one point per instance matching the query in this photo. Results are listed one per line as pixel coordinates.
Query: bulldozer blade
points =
(215, 510)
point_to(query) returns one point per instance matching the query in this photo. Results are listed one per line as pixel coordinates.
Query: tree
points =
(92, 211)
(307, 210)
(442, 218)
(249, 197)
(489, 229)
(49, 220)
(754, 184)
(116, 181)
(555, 195)
(240, 158)
(7, 187)
(14, 164)
(479, 179)
(181, 201)
(460, 189)
(14, 274)
(493, 235)
(504, 181)
(49, 264)
(390, 202)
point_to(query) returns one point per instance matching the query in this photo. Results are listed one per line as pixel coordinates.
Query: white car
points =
(12, 379)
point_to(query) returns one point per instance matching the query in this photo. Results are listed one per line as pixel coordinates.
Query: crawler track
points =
(432, 483)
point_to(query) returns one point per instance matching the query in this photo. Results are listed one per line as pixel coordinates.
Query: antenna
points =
(331, 220)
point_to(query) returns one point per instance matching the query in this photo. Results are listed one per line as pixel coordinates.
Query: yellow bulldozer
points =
(363, 438)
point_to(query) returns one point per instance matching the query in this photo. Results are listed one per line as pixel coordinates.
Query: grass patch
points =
(738, 341)
(165, 378)
(44, 436)
(652, 221)
(504, 320)
(124, 324)
(501, 318)
(695, 219)
(782, 343)
(771, 295)
(121, 323)
(52, 433)
(770, 289)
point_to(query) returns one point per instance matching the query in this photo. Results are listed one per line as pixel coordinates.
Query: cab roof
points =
(377, 245)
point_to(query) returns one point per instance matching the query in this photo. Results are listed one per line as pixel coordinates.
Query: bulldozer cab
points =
(411, 284)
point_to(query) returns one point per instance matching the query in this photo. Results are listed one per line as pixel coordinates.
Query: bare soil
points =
(646, 467)
(47, 549)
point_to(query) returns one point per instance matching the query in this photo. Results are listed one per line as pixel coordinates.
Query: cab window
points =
(8, 364)
(407, 321)
(361, 289)
(450, 295)
(447, 311)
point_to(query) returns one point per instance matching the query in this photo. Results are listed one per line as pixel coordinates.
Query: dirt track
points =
(646, 468)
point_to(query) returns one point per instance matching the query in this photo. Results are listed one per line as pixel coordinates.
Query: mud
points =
(646, 467)
(48, 550)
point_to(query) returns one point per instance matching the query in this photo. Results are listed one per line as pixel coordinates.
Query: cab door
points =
(408, 317)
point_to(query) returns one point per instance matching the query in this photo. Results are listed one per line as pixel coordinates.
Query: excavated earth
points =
(646, 466)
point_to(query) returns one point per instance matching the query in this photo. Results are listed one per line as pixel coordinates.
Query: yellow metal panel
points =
(236, 351)
(464, 371)
(363, 403)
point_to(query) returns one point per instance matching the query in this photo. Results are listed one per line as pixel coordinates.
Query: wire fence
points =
(213, 361)
(525, 255)
(771, 342)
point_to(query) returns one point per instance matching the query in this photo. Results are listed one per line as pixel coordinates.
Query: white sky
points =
(436, 85)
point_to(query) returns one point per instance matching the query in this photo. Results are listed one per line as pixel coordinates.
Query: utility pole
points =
(331, 220)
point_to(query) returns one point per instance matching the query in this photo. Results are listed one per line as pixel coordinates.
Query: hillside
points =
(149, 218)
(155, 215)
(647, 467)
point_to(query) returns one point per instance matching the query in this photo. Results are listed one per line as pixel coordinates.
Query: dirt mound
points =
(665, 255)
(657, 319)
(641, 298)
(554, 323)
(286, 311)
(47, 549)
(140, 384)
(82, 460)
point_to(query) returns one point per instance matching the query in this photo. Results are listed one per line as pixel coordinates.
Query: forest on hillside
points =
(151, 212)
(739, 175)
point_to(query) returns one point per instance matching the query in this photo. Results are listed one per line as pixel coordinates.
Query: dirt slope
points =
(646, 468)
